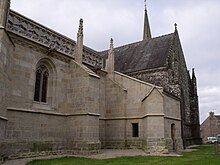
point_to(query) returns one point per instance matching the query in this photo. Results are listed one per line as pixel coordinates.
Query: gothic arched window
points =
(40, 93)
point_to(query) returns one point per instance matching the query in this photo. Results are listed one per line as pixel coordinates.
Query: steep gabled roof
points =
(146, 54)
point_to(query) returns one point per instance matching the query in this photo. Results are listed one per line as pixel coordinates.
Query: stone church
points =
(58, 96)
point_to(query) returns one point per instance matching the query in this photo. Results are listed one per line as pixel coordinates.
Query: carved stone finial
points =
(80, 30)
(111, 44)
(79, 43)
(110, 61)
(193, 73)
(145, 5)
(175, 26)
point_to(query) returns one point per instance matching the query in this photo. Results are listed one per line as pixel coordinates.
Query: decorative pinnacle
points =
(145, 5)
(80, 31)
(111, 44)
(175, 26)
(193, 73)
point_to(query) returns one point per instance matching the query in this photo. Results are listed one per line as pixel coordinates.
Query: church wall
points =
(24, 63)
(136, 92)
(136, 142)
(73, 103)
(173, 117)
(102, 107)
(83, 90)
(173, 80)
(22, 85)
(172, 107)
(144, 105)
(83, 106)
(34, 125)
(161, 77)
(2, 138)
(176, 144)
(6, 52)
(115, 107)
(83, 133)
(76, 91)
(153, 103)
(115, 134)
(156, 142)
(155, 106)
(82, 127)
(183, 74)
(2, 127)
(154, 122)
(102, 130)
(93, 98)
(30, 132)
(40, 132)
(115, 99)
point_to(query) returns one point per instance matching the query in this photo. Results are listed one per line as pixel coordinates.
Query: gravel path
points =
(105, 154)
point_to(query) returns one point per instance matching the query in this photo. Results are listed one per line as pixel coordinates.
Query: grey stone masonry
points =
(57, 97)
(79, 43)
(4, 8)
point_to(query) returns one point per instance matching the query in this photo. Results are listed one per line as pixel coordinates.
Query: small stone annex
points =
(58, 96)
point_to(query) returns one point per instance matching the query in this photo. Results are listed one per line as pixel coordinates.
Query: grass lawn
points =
(205, 155)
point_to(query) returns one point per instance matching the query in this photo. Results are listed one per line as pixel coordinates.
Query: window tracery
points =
(41, 84)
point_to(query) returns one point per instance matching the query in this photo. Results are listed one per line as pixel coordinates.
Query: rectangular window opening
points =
(135, 130)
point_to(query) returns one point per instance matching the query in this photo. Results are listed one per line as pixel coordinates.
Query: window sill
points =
(41, 106)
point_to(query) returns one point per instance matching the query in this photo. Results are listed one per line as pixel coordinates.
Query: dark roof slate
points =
(218, 117)
(143, 55)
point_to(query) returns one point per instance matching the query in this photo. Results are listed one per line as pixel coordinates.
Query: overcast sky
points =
(198, 26)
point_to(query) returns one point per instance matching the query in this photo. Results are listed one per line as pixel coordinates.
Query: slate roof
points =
(218, 117)
(143, 55)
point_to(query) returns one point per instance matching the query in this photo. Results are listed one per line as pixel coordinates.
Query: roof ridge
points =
(162, 35)
(139, 41)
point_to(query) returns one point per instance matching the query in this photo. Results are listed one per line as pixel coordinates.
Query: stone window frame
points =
(41, 83)
(49, 103)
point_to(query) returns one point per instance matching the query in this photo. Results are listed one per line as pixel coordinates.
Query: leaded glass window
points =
(41, 84)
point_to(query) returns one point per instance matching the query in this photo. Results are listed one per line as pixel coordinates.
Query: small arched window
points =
(41, 83)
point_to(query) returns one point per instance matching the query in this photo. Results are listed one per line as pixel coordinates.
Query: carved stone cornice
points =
(44, 36)
(40, 48)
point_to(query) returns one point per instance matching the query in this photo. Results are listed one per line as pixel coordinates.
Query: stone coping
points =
(47, 112)
(137, 80)
(140, 117)
(89, 114)
(3, 118)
